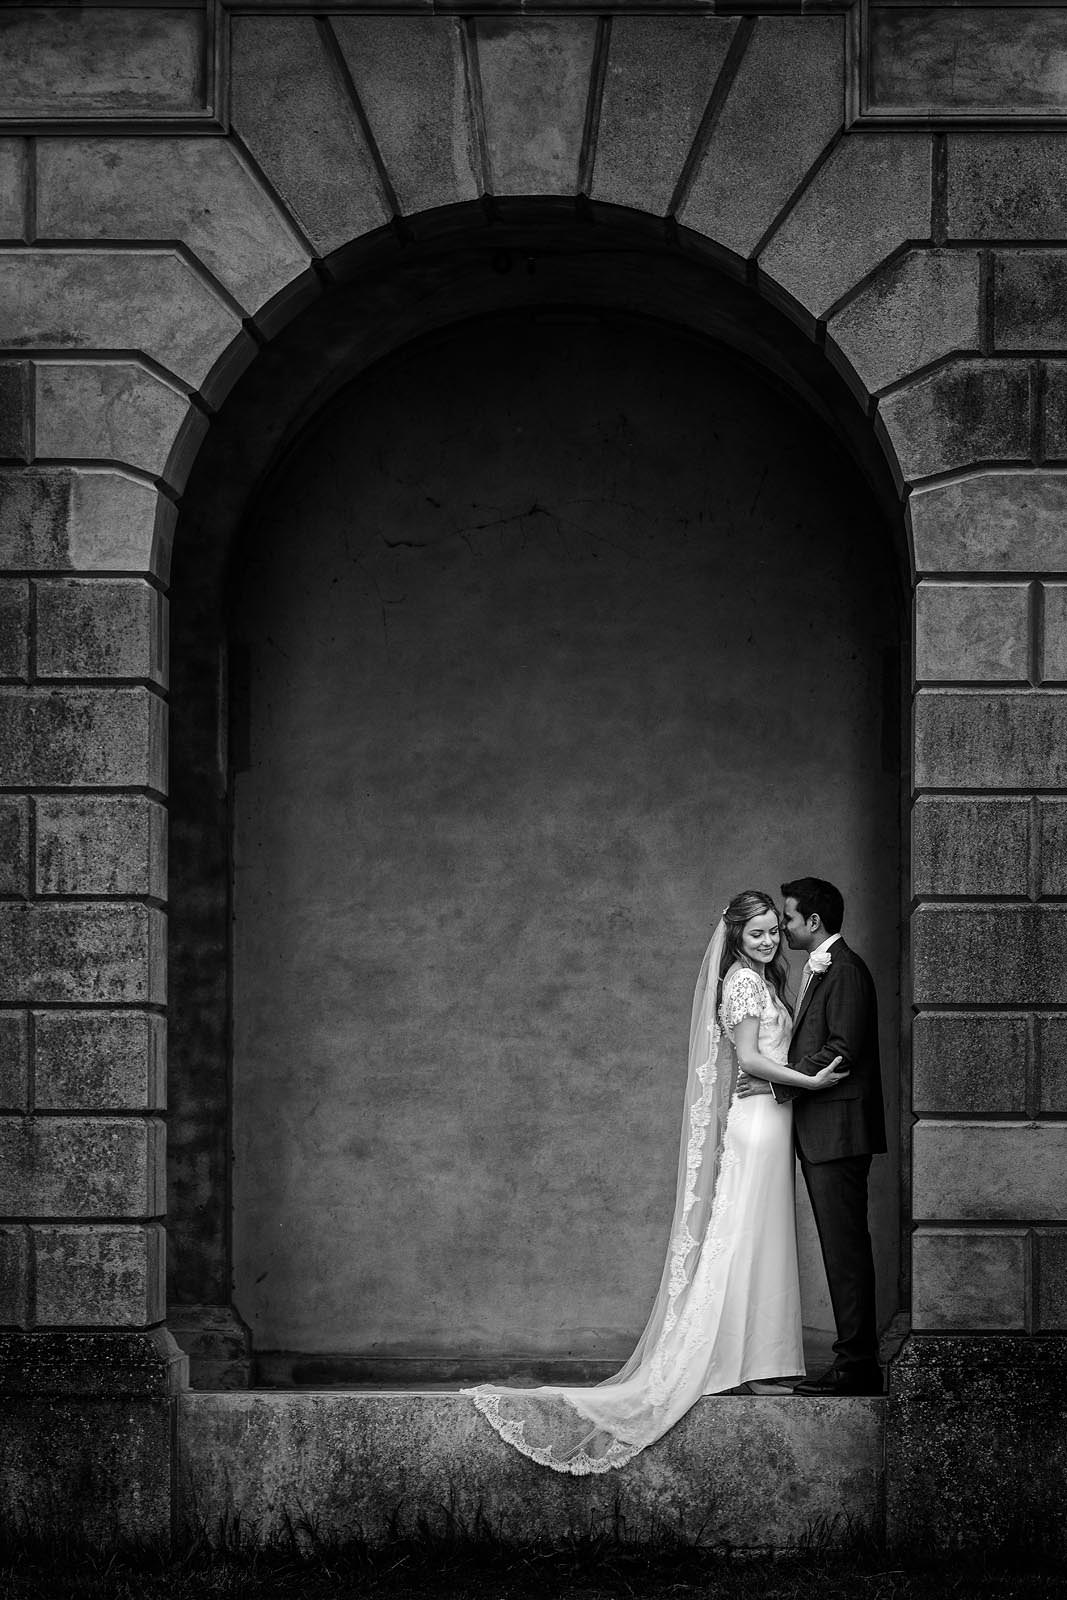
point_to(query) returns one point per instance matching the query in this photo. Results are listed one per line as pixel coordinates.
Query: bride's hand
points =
(827, 1077)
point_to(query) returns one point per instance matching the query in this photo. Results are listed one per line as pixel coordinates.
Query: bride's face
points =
(760, 937)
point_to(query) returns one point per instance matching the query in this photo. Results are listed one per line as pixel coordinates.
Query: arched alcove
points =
(481, 819)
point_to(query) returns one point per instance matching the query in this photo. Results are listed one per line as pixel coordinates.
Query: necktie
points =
(804, 981)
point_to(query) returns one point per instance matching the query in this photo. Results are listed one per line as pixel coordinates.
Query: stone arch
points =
(536, 262)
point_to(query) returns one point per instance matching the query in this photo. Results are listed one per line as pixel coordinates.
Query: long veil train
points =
(601, 1426)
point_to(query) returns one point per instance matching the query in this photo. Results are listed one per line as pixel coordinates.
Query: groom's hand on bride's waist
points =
(747, 1086)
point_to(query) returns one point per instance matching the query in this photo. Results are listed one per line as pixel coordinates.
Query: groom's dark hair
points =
(816, 897)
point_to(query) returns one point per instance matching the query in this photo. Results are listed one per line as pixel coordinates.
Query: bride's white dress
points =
(739, 1316)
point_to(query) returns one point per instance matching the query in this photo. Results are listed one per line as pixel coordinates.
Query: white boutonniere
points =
(818, 961)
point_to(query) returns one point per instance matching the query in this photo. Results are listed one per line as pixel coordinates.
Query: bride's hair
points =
(742, 908)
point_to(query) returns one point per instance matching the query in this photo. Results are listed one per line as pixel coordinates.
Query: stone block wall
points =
(152, 246)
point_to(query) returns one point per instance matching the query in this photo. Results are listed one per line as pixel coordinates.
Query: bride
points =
(728, 1307)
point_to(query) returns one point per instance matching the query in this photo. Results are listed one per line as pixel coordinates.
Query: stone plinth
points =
(748, 1472)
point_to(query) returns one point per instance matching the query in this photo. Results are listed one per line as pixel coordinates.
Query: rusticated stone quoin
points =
(971, 847)
(1052, 847)
(101, 628)
(989, 1171)
(60, 738)
(1028, 302)
(1052, 1055)
(990, 955)
(14, 1060)
(992, 522)
(87, 846)
(972, 631)
(99, 1061)
(974, 739)
(14, 627)
(1007, 187)
(82, 1167)
(14, 844)
(1054, 633)
(967, 1062)
(1051, 1251)
(99, 1276)
(969, 1278)
(82, 953)
(83, 520)
(110, 411)
(14, 408)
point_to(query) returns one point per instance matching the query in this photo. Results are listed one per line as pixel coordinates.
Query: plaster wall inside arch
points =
(539, 673)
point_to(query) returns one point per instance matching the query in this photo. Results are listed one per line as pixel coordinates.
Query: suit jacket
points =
(838, 1017)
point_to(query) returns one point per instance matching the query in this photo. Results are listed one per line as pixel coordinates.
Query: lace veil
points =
(601, 1426)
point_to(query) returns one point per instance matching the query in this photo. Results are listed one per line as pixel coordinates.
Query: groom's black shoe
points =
(859, 1378)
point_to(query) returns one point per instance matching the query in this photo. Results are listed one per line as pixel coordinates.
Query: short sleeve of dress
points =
(743, 995)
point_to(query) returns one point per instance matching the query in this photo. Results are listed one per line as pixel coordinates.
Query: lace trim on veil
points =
(600, 1427)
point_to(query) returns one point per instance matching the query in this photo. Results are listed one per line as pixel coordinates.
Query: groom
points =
(837, 1131)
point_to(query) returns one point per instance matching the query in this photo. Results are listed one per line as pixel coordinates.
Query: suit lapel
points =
(838, 944)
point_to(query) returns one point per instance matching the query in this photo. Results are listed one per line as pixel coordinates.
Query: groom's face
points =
(799, 935)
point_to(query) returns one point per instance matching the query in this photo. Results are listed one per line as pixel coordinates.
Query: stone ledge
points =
(744, 1471)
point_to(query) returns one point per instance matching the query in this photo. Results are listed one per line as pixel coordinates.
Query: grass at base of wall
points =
(476, 1566)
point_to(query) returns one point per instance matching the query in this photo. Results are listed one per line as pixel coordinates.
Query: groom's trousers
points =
(838, 1193)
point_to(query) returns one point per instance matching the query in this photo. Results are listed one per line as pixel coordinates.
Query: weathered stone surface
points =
(989, 1171)
(1054, 411)
(1051, 1253)
(14, 408)
(86, 953)
(659, 76)
(84, 520)
(82, 1167)
(972, 631)
(1001, 187)
(991, 522)
(1052, 1056)
(99, 1061)
(149, 300)
(988, 739)
(970, 846)
(12, 188)
(101, 628)
(87, 845)
(88, 1443)
(929, 60)
(966, 1279)
(14, 1060)
(1052, 846)
(60, 738)
(976, 1444)
(193, 189)
(362, 1459)
(218, 1345)
(989, 955)
(963, 1061)
(99, 1277)
(409, 74)
(535, 84)
(14, 844)
(57, 62)
(282, 79)
(870, 196)
(1054, 631)
(918, 309)
(14, 627)
(1028, 299)
(109, 411)
(784, 106)
(966, 412)
(15, 1253)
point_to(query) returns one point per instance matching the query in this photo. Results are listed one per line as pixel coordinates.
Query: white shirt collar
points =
(825, 944)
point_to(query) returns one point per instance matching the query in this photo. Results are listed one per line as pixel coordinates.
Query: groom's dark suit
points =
(836, 1132)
